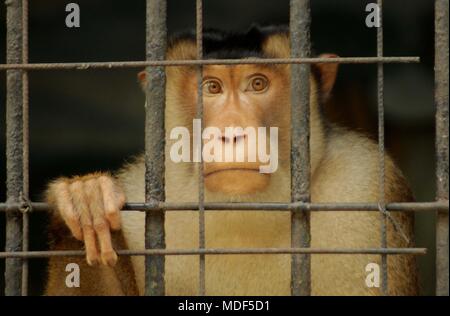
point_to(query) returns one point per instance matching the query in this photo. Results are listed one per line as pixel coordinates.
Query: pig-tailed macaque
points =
(344, 168)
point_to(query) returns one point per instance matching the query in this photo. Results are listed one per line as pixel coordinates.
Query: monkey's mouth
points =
(235, 178)
(217, 171)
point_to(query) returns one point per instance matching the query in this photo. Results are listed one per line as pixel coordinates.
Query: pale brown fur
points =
(344, 169)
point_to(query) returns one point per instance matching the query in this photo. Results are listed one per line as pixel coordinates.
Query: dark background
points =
(82, 121)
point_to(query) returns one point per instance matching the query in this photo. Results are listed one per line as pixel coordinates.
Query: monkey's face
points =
(245, 131)
(243, 105)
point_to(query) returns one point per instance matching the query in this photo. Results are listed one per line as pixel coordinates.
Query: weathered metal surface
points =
(201, 177)
(232, 251)
(300, 20)
(167, 63)
(441, 206)
(14, 144)
(381, 151)
(156, 41)
(441, 100)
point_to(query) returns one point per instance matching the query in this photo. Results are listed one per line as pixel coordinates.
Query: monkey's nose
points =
(226, 139)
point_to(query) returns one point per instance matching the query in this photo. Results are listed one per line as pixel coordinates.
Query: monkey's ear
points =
(142, 78)
(326, 74)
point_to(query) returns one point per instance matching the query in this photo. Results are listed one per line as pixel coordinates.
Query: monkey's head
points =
(246, 110)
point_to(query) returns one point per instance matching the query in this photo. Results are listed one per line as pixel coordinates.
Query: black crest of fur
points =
(219, 44)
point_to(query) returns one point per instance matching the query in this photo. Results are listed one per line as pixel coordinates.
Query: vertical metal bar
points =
(441, 100)
(25, 246)
(25, 107)
(300, 20)
(381, 151)
(14, 144)
(201, 180)
(156, 41)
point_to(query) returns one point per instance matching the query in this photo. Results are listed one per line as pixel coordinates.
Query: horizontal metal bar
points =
(237, 251)
(156, 63)
(442, 206)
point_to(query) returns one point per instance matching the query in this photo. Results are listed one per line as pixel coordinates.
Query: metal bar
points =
(381, 151)
(233, 251)
(201, 179)
(300, 20)
(167, 63)
(156, 41)
(441, 100)
(26, 173)
(25, 247)
(441, 206)
(14, 145)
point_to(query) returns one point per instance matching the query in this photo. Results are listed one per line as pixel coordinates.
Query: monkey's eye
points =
(258, 84)
(212, 86)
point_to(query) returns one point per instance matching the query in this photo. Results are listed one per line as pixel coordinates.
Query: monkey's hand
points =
(90, 206)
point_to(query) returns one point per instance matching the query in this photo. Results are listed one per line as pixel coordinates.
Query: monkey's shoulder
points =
(349, 171)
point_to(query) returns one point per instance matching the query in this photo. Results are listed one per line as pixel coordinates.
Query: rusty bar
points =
(14, 145)
(201, 179)
(168, 63)
(441, 100)
(441, 206)
(26, 173)
(300, 20)
(25, 247)
(229, 251)
(156, 41)
(381, 150)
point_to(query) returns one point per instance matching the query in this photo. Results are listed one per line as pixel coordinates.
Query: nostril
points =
(225, 139)
(239, 138)
(235, 139)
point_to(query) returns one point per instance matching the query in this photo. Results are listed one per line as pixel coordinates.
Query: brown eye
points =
(258, 84)
(213, 87)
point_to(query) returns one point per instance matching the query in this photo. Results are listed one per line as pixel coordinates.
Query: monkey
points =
(86, 210)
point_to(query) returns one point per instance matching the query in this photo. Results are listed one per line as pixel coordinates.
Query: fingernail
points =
(93, 262)
(109, 258)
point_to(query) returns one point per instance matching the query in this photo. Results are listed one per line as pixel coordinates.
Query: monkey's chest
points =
(225, 274)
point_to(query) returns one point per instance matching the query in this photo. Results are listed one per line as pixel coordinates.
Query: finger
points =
(102, 229)
(63, 202)
(90, 244)
(101, 226)
(82, 207)
(113, 201)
